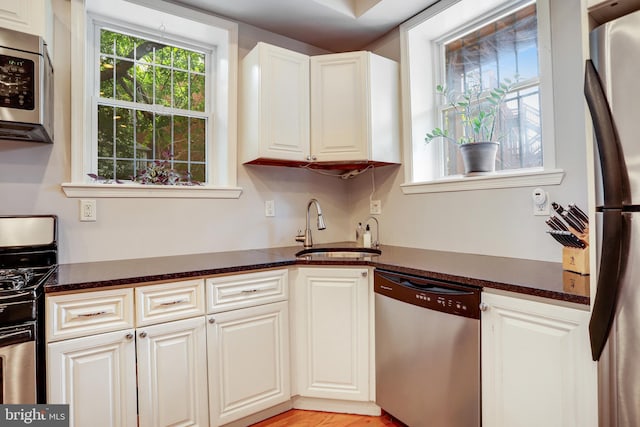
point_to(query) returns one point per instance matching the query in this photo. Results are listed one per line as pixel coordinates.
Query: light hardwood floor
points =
(296, 417)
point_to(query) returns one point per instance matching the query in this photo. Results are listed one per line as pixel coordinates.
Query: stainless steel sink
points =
(352, 253)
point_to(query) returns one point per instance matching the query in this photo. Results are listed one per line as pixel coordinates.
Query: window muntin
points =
(151, 106)
(479, 60)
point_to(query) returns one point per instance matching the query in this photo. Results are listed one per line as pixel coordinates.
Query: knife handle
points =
(557, 238)
(579, 213)
(572, 223)
(552, 224)
(558, 208)
(577, 220)
(558, 223)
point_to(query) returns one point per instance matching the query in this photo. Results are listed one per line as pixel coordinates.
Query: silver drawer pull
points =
(94, 314)
(249, 291)
(178, 301)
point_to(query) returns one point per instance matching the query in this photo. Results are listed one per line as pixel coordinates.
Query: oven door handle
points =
(14, 296)
(16, 337)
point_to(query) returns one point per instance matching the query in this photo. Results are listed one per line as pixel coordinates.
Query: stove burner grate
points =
(15, 279)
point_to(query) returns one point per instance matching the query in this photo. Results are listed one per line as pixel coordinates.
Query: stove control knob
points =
(142, 334)
(129, 336)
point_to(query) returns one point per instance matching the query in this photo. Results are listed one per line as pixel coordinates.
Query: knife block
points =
(576, 260)
(574, 283)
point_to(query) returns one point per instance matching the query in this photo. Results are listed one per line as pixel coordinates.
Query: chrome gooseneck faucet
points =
(305, 238)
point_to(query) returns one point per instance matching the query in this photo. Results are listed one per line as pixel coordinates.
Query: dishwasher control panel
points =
(429, 293)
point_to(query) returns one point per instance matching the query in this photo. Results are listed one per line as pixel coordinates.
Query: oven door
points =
(18, 364)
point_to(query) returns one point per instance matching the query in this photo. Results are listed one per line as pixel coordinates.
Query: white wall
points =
(30, 177)
(493, 222)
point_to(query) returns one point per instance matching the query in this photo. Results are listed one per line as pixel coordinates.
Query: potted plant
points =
(478, 111)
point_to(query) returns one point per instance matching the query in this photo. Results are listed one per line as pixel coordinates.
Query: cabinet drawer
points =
(246, 290)
(169, 301)
(88, 313)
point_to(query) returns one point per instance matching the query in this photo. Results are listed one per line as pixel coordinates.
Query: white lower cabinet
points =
(248, 360)
(332, 333)
(172, 374)
(536, 365)
(154, 375)
(96, 376)
(248, 343)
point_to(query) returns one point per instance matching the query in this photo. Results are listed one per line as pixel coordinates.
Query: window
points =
(156, 102)
(505, 49)
(478, 45)
(151, 106)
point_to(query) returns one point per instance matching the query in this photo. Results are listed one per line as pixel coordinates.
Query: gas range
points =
(28, 257)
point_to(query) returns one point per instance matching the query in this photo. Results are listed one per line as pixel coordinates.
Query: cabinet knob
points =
(212, 320)
(142, 334)
(484, 306)
(129, 336)
(364, 274)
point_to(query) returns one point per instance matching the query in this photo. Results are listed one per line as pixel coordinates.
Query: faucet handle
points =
(300, 236)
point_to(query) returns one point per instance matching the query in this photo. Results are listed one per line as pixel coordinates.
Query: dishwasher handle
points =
(434, 289)
(429, 285)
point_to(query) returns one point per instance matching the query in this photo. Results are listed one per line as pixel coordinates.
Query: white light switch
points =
(269, 208)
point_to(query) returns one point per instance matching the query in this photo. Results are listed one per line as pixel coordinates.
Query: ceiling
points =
(333, 25)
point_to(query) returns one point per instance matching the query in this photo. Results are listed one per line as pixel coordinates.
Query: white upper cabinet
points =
(354, 108)
(274, 104)
(323, 109)
(29, 16)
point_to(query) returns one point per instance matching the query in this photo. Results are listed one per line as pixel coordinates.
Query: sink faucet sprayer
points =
(305, 238)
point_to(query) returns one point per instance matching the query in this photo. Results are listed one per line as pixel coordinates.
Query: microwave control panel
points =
(17, 82)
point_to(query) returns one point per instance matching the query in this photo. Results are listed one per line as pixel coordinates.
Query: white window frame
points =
(420, 74)
(183, 23)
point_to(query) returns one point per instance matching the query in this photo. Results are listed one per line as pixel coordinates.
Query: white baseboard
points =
(261, 416)
(332, 405)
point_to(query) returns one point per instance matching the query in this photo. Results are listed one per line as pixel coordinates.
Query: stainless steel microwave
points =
(26, 88)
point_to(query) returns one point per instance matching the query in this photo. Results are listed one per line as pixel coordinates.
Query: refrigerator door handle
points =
(609, 275)
(615, 180)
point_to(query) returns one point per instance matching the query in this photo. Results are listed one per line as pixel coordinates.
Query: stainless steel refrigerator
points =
(612, 90)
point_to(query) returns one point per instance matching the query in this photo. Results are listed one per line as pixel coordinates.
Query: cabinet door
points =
(172, 374)
(536, 365)
(248, 361)
(274, 104)
(339, 107)
(29, 16)
(96, 376)
(332, 333)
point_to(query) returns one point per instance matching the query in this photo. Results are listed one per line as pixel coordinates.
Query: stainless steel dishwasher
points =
(427, 350)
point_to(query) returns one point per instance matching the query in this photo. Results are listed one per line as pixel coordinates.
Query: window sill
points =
(150, 191)
(510, 179)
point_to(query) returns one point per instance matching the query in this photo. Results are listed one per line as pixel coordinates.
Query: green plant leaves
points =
(477, 111)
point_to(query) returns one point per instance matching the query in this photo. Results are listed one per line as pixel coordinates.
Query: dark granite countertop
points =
(529, 277)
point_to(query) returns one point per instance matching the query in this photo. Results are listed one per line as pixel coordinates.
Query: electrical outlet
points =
(540, 202)
(88, 210)
(375, 207)
(269, 208)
